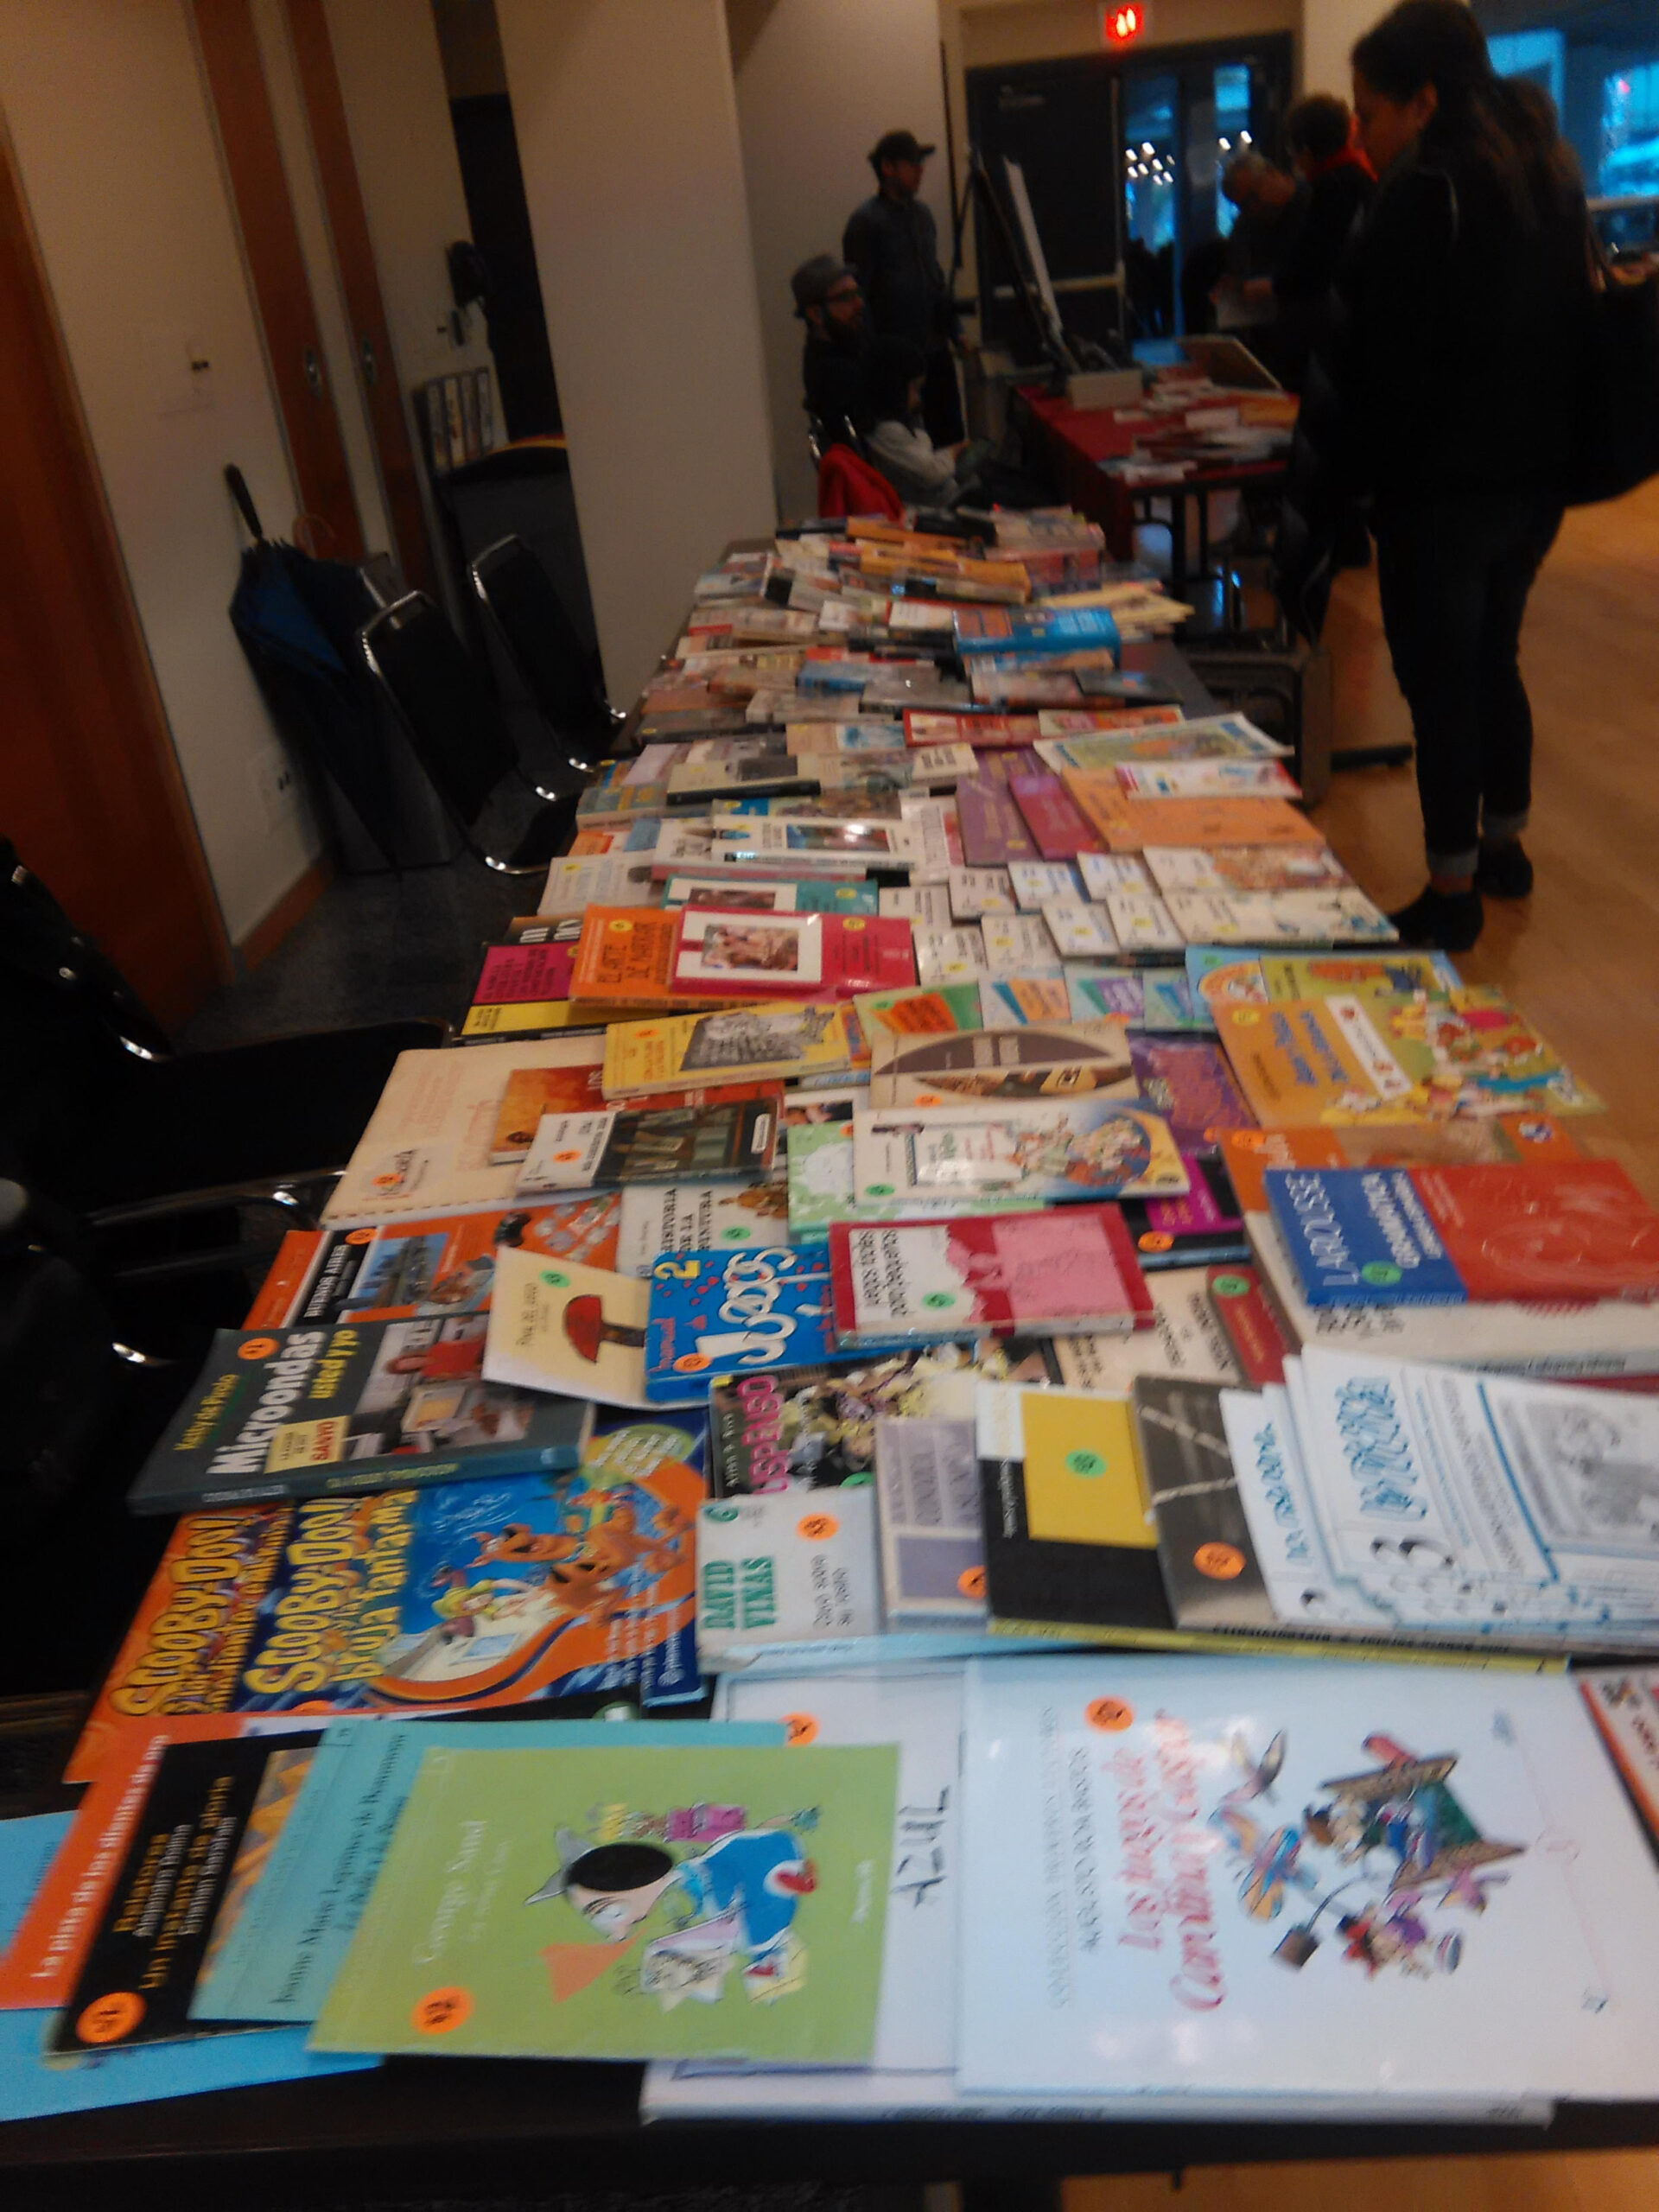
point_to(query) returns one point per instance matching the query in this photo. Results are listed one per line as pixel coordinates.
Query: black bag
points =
(1617, 441)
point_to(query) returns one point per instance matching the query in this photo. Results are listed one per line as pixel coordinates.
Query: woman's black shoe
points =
(1448, 921)
(1504, 871)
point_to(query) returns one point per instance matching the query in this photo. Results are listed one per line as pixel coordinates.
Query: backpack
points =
(849, 486)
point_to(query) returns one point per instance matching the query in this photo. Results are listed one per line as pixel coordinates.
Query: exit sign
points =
(1122, 24)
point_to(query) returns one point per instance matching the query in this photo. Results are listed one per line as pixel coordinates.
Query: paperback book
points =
(716, 1314)
(595, 1152)
(1072, 1271)
(729, 954)
(1082, 1148)
(1056, 1060)
(781, 1042)
(575, 1329)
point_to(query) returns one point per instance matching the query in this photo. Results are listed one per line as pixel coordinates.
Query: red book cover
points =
(1575, 1231)
(1061, 830)
(513, 974)
(982, 731)
(1251, 1327)
(1069, 1271)
(992, 831)
(743, 954)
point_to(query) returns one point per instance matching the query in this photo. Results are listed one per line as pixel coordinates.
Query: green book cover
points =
(626, 1904)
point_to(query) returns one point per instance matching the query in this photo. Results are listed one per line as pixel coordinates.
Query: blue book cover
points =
(1035, 630)
(1360, 1237)
(296, 1926)
(745, 1313)
(33, 2088)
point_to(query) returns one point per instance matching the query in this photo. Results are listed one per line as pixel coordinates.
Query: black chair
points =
(460, 736)
(540, 641)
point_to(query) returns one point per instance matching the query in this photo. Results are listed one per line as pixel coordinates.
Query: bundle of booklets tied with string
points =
(955, 1170)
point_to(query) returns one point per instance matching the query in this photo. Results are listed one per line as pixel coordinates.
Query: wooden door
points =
(360, 284)
(90, 790)
(270, 244)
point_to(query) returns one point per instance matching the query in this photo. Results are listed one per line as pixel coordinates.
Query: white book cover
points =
(1105, 873)
(712, 891)
(697, 1217)
(933, 822)
(1186, 1340)
(773, 1568)
(1280, 918)
(978, 891)
(604, 880)
(1218, 779)
(950, 955)
(939, 764)
(1017, 944)
(1036, 883)
(1080, 932)
(1302, 1582)
(723, 949)
(928, 905)
(1625, 1704)
(1612, 1336)
(1245, 868)
(428, 1147)
(1235, 1876)
(1143, 923)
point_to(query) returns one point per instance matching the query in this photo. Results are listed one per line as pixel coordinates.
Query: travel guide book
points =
(1069, 1271)
(594, 1152)
(619, 1903)
(509, 1591)
(1435, 1236)
(775, 1041)
(350, 1408)
(1076, 1149)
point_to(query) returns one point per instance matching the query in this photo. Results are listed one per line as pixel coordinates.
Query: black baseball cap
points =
(814, 280)
(898, 146)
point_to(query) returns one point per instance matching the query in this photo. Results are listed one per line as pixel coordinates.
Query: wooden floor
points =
(1581, 957)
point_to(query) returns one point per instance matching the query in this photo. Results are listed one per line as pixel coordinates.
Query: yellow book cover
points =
(1100, 797)
(1315, 1062)
(528, 1016)
(783, 1041)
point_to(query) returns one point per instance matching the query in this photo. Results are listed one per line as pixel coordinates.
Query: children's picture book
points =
(1191, 1084)
(1441, 1236)
(1233, 869)
(469, 1594)
(813, 1429)
(697, 1218)
(619, 1903)
(592, 1152)
(1056, 1060)
(1248, 1154)
(1403, 1879)
(725, 953)
(1079, 1149)
(1069, 1271)
(339, 1411)
(574, 1329)
(1337, 916)
(450, 1128)
(758, 1310)
(778, 1042)
(293, 1929)
(406, 1271)
(927, 1507)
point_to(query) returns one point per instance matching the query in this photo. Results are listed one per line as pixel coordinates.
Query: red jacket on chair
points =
(849, 486)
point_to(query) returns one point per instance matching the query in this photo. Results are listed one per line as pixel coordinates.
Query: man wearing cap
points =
(835, 360)
(893, 245)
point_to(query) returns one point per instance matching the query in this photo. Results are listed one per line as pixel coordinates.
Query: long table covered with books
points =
(971, 1492)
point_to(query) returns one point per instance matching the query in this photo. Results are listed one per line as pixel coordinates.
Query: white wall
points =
(818, 82)
(104, 103)
(1329, 30)
(627, 121)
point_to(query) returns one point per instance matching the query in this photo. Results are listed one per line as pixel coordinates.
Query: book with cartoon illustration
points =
(1283, 1877)
(618, 1903)
(340, 1410)
(1037, 1150)
(758, 1310)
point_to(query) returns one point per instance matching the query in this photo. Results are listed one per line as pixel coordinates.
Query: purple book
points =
(1061, 830)
(993, 832)
(1188, 1080)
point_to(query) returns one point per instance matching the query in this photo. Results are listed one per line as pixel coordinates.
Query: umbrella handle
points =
(243, 498)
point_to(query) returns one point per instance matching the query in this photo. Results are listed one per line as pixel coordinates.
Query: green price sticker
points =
(1088, 1463)
(938, 1298)
(554, 1280)
(1382, 1273)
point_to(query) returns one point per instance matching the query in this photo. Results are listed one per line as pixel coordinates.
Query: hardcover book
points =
(343, 1410)
(1070, 1272)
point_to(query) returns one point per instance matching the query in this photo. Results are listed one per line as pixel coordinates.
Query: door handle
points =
(313, 368)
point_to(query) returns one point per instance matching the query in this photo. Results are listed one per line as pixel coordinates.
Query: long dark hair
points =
(1507, 126)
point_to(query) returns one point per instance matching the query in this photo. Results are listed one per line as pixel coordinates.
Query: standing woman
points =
(1451, 398)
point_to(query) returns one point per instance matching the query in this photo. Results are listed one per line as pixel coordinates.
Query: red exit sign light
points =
(1121, 26)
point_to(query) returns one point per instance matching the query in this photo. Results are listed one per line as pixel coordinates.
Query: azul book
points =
(735, 1313)
(1066, 1272)
(1576, 1231)
(588, 1152)
(1038, 1151)
(469, 1594)
(339, 1411)
(1285, 1876)
(580, 1904)
(782, 1041)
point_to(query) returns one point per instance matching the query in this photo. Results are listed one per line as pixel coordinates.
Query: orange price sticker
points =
(256, 1348)
(1111, 1714)
(691, 1363)
(817, 1527)
(359, 1236)
(971, 1582)
(108, 2020)
(800, 1728)
(1156, 1240)
(1220, 1562)
(440, 2010)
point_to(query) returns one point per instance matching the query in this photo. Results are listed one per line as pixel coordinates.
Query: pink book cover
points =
(1061, 830)
(1069, 1270)
(992, 831)
(982, 731)
(515, 975)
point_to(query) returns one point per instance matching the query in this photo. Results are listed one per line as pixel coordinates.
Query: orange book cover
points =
(532, 1092)
(1100, 797)
(1467, 1143)
(626, 954)
(1210, 822)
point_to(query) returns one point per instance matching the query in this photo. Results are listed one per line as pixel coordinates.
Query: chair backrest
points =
(453, 722)
(541, 640)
